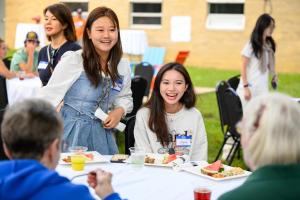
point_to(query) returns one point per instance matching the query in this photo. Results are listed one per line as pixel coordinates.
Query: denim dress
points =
(81, 127)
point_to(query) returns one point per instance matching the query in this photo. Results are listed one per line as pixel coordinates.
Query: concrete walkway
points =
(203, 90)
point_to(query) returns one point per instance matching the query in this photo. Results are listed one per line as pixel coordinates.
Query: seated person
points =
(26, 59)
(4, 70)
(270, 139)
(169, 119)
(31, 133)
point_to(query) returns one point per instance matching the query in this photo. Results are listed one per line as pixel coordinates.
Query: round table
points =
(18, 90)
(150, 182)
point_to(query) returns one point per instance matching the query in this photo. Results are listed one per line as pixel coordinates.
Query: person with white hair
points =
(270, 139)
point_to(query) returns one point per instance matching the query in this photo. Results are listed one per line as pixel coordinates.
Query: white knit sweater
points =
(186, 120)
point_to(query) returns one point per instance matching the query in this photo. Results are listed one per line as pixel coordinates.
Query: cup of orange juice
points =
(77, 162)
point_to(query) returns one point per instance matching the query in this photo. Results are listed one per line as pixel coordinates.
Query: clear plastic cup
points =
(22, 75)
(137, 156)
(77, 149)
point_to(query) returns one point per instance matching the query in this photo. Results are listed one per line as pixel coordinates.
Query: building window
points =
(146, 14)
(225, 15)
(77, 4)
(226, 8)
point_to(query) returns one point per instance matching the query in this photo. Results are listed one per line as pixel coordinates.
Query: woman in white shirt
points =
(92, 78)
(169, 119)
(258, 61)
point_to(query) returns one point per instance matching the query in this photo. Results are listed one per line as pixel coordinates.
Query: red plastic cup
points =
(202, 194)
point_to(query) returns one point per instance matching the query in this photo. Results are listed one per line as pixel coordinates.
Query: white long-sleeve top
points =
(189, 120)
(68, 71)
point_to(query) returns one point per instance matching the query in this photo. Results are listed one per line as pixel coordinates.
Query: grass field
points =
(207, 104)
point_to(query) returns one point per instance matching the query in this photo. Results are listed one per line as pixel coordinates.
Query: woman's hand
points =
(247, 93)
(275, 78)
(101, 181)
(59, 106)
(113, 118)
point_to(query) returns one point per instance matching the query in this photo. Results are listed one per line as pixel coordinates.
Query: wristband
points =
(246, 85)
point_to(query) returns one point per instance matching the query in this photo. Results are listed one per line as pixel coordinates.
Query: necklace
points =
(172, 116)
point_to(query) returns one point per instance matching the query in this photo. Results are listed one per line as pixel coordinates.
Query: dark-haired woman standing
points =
(169, 119)
(91, 78)
(258, 61)
(60, 31)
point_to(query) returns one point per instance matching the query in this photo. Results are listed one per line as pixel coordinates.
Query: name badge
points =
(183, 140)
(42, 65)
(118, 85)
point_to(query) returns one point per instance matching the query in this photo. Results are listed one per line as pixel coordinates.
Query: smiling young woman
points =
(93, 78)
(170, 117)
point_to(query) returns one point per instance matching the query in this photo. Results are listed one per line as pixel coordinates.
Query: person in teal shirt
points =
(271, 143)
(26, 59)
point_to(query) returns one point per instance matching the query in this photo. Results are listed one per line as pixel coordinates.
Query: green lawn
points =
(207, 104)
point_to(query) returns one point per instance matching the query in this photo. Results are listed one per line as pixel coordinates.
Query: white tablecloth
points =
(18, 90)
(134, 41)
(150, 182)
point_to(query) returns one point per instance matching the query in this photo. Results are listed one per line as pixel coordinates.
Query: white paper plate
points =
(157, 163)
(98, 158)
(197, 170)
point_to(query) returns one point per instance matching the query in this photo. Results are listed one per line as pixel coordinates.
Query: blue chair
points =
(154, 55)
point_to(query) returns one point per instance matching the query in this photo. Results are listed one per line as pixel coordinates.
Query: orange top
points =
(79, 26)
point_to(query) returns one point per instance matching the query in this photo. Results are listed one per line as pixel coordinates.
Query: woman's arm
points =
(141, 137)
(199, 151)
(247, 92)
(124, 98)
(123, 103)
(27, 66)
(65, 74)
(5, 72)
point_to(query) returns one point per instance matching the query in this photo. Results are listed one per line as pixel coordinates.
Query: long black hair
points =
(262, 23)
(157, 121)
(91, 61)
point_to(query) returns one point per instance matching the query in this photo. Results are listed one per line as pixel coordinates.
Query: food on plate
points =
(216, 170)
(232, 172)
(87, 156)
(213, 168)
(67, 159)
(169, 158)
(119, 158)
(149, 159)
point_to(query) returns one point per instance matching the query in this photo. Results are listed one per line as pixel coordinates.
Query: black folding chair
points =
(145, 70)
(230, 110)
(234, 81)
(129, 134)
(3, 92)
(2, 154)
(138, 88)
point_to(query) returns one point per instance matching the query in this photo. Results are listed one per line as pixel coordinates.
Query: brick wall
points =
(208, 48)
